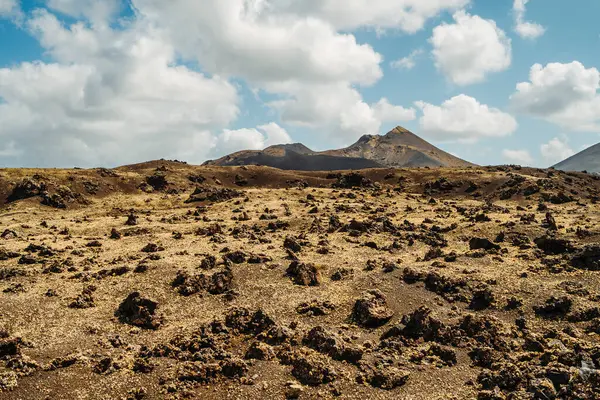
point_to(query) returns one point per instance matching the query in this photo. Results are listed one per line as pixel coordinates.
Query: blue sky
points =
(109, 82)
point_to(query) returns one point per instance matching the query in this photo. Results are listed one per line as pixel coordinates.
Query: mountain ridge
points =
(399, 148)
(586, 160)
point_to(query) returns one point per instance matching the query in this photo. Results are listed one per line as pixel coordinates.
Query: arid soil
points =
(164, 280)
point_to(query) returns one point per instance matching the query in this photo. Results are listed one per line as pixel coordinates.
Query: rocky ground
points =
(164, 280)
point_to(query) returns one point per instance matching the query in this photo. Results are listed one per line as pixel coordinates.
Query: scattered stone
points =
(482, 244)
(315, 308)
(329, 343)
(554, 307)
(304, 274)
(371, 310)
(85, 299)
(138, 311)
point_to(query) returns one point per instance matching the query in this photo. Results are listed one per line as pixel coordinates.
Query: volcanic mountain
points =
(398, 148)
(587, 160)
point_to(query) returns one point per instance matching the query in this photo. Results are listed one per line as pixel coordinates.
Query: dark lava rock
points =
(352, 180)
(312, 370)
(342, 273)
(315, 308)
(440, 185)
(234, 368)
(214, 195)
(482, 299)
(304, 274)
(554, 307)
(85, 299)
(449, 288)
(292, 244)
(482, 244)
(27, 259)
(199, 372)
(7, 255)
(152, 248)
(329, 343)
(236, 257)
(138, 311)
(587, 258)
(417, 325)
(260, 351)
(25, 189)
(217, 283)
(509, 377)
(158, 181)
(411, 276)
(131, 220)
(247, 322)
(371, 310)
(196, 179)
(554, 246)
(240, 181)
(386, 378)
(208, 262)
(559, 198)
(440, 355)
(9, 347)
(53, 200)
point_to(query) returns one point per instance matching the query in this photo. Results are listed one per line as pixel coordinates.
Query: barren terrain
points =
(164, 280)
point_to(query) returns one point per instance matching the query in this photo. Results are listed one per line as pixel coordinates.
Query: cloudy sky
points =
(110, 82)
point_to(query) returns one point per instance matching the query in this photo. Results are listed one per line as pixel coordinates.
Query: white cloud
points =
(384, 111)
(406, 15)
(565, 94)
(113, 96)
(121, 88)
(470, 49)
(464, 119)
(556, 150)
(231, 141)
(521, 157)
(228, 37)
(407, 62)
(97, 11)
(290, 49)
(9, 8)
(525, 29)
(337, 109)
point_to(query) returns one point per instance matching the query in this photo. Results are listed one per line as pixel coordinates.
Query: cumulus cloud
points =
(525, 29)
(9, 8)
(520, 157)
(261, 137)
(565, 94)
(556, 150)
(407, 62)
(338, 110)
(123, 90)
(384, 111)
(97, 11)
(229, 37)
(470, 49)
(406, 15)
(112, 96)
(289, 49)
(463, 118)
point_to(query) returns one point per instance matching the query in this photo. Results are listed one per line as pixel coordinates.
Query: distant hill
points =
(587, 160)
(398, 148)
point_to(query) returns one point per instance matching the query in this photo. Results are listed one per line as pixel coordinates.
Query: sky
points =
(91, 83)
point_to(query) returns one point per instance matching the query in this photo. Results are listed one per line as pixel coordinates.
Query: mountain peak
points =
(586, 160)
(399, 130)
(399, 148)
